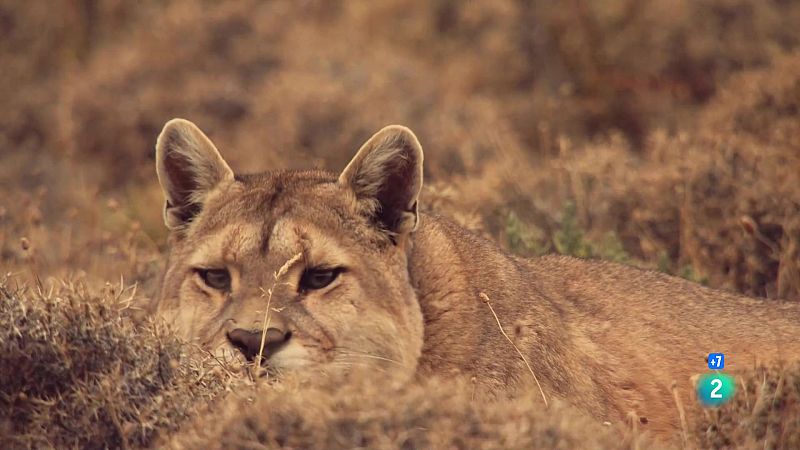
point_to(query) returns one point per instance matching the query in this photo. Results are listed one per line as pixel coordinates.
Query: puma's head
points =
(321, 259)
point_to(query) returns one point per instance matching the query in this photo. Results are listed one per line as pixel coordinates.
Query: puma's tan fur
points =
(607, 337)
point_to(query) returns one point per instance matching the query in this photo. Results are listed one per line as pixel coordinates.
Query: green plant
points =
(612, 249)
(570, 239)
(688, 272)
(523, 239)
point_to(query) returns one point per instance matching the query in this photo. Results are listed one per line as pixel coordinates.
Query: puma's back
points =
(308, 270)
(611, 338)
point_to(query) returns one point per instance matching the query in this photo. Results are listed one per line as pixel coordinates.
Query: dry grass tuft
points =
(370, 413)
(76, 373)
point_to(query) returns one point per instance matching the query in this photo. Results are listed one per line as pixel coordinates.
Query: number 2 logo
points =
(715, 389)
(718, 385)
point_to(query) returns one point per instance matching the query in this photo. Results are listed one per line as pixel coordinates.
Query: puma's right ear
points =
(188, 167)
(386, 177)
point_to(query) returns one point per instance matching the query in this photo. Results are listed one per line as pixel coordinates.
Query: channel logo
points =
(715, 389)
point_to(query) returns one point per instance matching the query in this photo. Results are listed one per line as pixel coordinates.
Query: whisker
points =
(377, 357)
(360, 363)
(350, 352)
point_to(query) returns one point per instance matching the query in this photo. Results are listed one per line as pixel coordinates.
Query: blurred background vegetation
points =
(661, 133)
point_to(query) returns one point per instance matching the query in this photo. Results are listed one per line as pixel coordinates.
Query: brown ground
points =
(662, 133)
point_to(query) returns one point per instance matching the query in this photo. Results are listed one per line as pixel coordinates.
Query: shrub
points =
(74, 372)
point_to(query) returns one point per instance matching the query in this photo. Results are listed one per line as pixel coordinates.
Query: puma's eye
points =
(318, 278)
(219, 279)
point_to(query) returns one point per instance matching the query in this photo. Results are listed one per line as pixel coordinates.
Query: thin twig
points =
(485, 299)
(264, 326)
(682, 415)
(281, 272)
(221, 363)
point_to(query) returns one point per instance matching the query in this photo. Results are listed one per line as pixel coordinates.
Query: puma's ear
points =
(386, 176)
(188, 167)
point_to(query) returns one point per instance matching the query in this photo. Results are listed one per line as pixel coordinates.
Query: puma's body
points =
(354, 275)
(607, 337)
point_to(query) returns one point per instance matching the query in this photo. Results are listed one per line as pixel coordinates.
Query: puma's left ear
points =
(386, 176)
(188, 167)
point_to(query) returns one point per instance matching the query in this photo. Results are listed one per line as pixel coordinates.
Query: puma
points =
(355, 275)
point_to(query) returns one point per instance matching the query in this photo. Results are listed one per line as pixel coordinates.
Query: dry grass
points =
(370, 413)
(76, 373)
(488, 302)
(662, 133)
(265, 323)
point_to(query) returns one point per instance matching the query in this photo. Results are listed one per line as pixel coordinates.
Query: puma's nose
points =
(249, 341)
